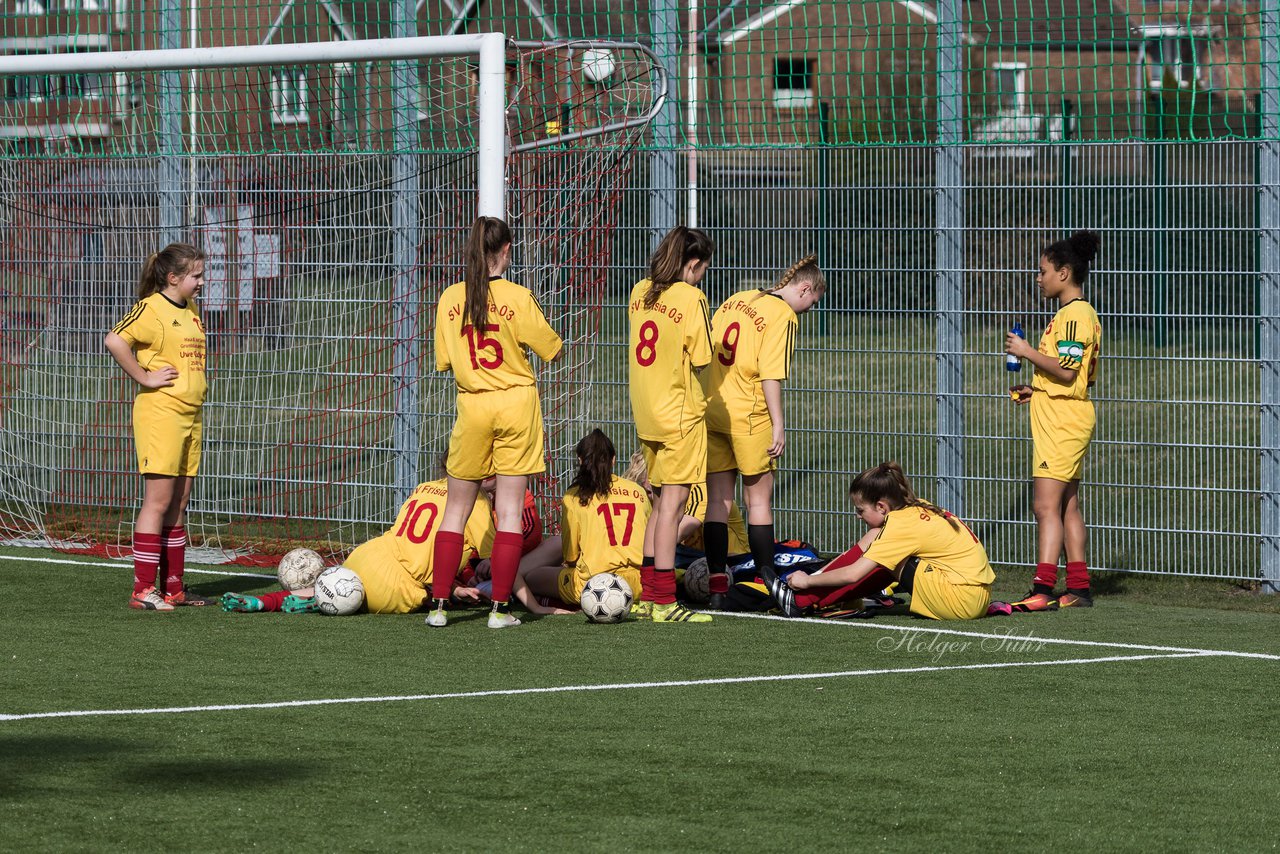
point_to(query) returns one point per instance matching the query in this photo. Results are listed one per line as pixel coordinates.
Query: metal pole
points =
(663, 216)
(169, 126)
(823, 199)
(491, 158)
(406, 218)
(1269, 293)
(949, 215)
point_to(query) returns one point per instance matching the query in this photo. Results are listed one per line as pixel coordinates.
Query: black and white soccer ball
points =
(299, 569)
(606, 598)
(339, 592)
(697, 581)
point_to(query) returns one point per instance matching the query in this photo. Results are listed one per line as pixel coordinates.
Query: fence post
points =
(663, 21)
(823, 198)
(405, 226)
(949, 236)
(169, 126)
(1269, 293)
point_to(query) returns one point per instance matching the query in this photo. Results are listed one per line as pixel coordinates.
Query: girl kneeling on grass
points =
(930, 553)
(602, 526)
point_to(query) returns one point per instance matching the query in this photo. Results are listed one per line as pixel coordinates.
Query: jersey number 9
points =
(729, 346)
(478, 341)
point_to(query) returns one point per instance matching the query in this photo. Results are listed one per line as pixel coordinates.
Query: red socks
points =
(1046, 575)
(718, 582)
(446, 556)
(1077, 575)
(646, 579)
(146, 560)
(173, 557)
(664, 586)
(272, 601)
(504, 563)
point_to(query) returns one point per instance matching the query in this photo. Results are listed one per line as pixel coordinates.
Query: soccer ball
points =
(339, 592)
(697, 581)
(606, 598)
(299, 568)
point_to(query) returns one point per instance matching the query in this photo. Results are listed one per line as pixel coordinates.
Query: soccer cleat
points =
(641, 611)
(781, 593)
(438, 618)
(999, 609)
(300, 605)
(1035, 602)
(716, 601)
(186, 597)
(502, 620)
(241, 602)
(149, 600)
(677, 613)
(1075, 599)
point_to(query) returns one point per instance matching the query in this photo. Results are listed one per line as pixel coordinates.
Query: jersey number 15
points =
(478, 342)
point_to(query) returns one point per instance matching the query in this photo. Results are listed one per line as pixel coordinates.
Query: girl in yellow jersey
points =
(754, 333)
(1062, 420)
(483, 326)
(695, 510)
(931, 554)
(602, 523)
(160, 345)
(670, 340)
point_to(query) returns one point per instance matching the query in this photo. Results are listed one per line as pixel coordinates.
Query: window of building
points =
(1172, 54)
(120, 15)
(85, 5)
(346, 98)
(28, 7)
(289, 96)
(1011, 87)
(793, 83)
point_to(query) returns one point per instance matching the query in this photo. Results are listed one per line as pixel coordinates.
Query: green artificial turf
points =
(1141, 754)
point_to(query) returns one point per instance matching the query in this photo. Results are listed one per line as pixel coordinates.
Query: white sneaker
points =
(149, 600)
(438, 618)
(499, 620)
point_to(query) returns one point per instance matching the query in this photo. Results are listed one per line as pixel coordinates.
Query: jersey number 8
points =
(647, 349)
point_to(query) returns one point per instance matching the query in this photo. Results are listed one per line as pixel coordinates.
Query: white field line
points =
(124, 564)
(924, 628)
(564, 689)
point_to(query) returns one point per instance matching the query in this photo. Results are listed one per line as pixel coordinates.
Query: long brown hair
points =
(595, 466)
(681, 245)
(176, 258)
(888, 483)
(488, 235)
(806, 269)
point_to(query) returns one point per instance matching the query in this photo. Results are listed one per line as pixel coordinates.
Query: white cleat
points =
(501, 621)
(438, 618)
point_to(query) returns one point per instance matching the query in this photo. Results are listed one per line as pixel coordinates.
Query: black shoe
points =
(716, 602)
(783, 596)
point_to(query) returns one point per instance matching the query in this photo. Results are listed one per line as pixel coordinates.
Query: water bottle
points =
(1012, 362)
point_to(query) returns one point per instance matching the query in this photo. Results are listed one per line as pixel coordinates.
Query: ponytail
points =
(488, 235)
(887, 482)
(1076, 252)
(681, 245)
(806, 269)
(176, 258)
(595, 466)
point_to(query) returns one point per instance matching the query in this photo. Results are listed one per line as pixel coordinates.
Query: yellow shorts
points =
(167, 434)
(573, 578)
(388, 586)
(497, 432)
(682, 460)
(1061, 429)
(747, 454)
(934, 595)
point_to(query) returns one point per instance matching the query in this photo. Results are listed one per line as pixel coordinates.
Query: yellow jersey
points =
(163, 334)
(492, 358)
(920, 532)
(1074, 338)
(696, 506)
(608, 533)
(667, 343)
(754, 334)
(412, 537)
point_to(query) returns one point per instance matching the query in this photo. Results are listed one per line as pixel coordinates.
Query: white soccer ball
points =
(299, 569)
(697, 581)
(606, 598)
(339, 592)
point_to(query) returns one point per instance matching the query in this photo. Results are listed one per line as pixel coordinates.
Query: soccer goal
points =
(332, 186)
